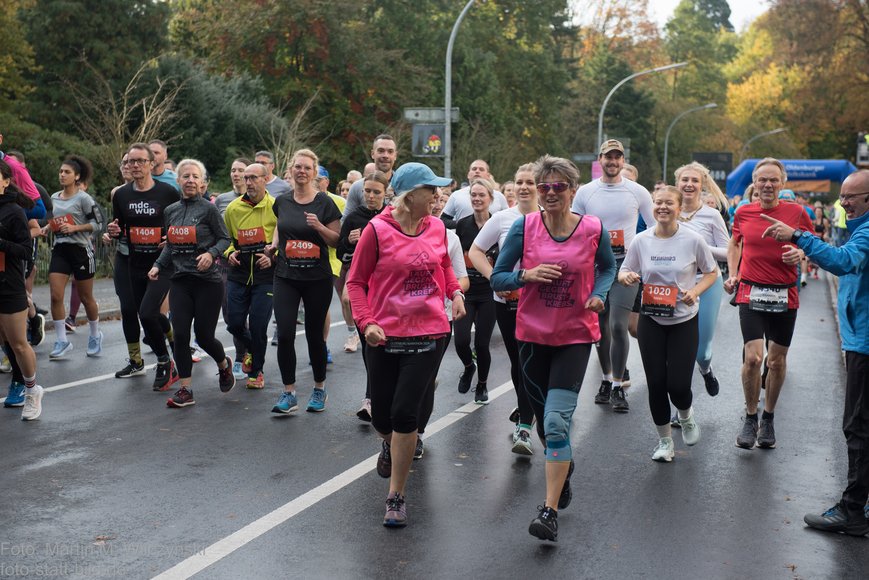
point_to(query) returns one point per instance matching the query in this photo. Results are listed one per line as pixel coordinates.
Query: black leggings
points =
(317, 295)
(480, 313)
(668, 353)
(427, 406)
(399, 384)
(197, 301)
(124, 290)
(149, 295)
(507, 325)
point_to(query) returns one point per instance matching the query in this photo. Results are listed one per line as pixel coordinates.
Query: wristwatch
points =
(522, 275)
(795, 237)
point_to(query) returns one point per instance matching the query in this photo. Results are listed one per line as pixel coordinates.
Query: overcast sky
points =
(742, 12)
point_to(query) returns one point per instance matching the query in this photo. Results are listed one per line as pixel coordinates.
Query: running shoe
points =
(566, 492)
(352, 343)
(766, 434)
(317, 402)
(247, 363)
(618, 400)
(237, 371)
(514, 416)
(466, 378)
(419, 450)
(37, 329)
(748, 436)
(286, 404)
(60, 350)
(665, 451)
(183, 397)
(329, 356)
(626, 378)
(384, 461)
(396, 511)
(5, 365)
(603, 393)
(836, 519)
(195, 354)
(257, 382)
(226, 378)
(70, 324)
(132, 369)
(95, 345)
(522, 443)
(166, 376)
(364, 412)
(15, 396)
(674, 421)
(32, 403)
(545, 525)
(481, 394)
(690, 430)
(711, 382)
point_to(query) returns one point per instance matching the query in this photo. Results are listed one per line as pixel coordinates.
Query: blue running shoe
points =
(329, 356)
(60, 350)
(317, 402)
(286, 404)
(237, 371)
(95, 344)
(15, 396)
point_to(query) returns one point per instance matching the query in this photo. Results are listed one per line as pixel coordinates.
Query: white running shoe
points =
(352, 343)
(522, 445)
(690, 430)
(32, 404)
(5, 365)
(665, 451)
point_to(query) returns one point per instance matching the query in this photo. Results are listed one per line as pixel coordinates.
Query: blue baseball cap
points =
(321, 172)
(413, 175)
(787, 195)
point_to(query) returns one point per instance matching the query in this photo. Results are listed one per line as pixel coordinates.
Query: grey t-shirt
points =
(78, 210)
(355, 198)
(223, 200)
(278, 186)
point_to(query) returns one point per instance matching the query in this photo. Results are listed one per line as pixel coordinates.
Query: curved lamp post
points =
(448, 92)
(620, 83)
(758, 136)
(670, 128)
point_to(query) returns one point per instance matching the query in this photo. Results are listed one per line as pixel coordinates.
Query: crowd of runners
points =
(561, 267)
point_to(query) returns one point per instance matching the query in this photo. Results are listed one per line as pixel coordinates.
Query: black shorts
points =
(13, 303)
(73, 260)
(31, 262)
(638, 301)
(775, 326)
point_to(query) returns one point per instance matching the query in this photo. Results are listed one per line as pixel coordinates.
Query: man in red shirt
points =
(764, 277)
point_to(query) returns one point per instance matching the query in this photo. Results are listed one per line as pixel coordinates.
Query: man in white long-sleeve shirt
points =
(459, 204)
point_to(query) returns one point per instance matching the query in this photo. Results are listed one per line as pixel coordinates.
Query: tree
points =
(16, 54)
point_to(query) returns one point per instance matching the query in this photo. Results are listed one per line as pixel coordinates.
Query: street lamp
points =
(448, 91)
(758, 136)
(670, 128)
(623, 81)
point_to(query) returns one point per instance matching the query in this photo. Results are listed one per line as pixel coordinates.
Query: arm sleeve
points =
(87, 208)
(706, 261)
(448, 212)
(605, 262)
(578, 206)
(218, 227)
(500, 203)
(457, 257)
(504, 278)
(645, 201)
(489, 234)
(364, 262)
(354, 199)
(344, 246)
(451, 284)
(721, 239)
(37, 212)
(851, 258)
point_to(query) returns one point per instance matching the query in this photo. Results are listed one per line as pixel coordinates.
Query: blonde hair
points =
(307, 153)
(707, 184)
(488, 185)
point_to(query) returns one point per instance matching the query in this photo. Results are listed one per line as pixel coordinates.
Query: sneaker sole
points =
(225, 390)
(621, 409)
(13, 405)
(394, 523)
(363, 416)
(34, 418)
(280, 411)
(486, 402)
(598, 401)
(744, 446)
(520, 449)
(542, 532)
(132, 374)
(665, 459)
(766, 445)
(173, 405)
(310, 409)
(60, 355)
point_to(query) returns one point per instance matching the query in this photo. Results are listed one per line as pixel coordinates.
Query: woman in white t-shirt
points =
(667, 258)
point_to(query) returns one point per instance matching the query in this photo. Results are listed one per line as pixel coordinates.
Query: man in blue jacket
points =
(851, 263)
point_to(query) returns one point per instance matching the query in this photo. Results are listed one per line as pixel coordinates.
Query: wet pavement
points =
(111, 483)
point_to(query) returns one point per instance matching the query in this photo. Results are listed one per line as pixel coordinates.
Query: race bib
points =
(2, 261)
(302, 254)
(768, 299)
(617, 241)
(182, 238)
(512, 300)
(57, 222)
(659, 300)
(412, 345)
(251, 240)
(146, 238)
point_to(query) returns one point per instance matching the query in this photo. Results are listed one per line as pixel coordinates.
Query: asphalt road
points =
(111, 483)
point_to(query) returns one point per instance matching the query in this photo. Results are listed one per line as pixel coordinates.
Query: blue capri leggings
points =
(707, 317)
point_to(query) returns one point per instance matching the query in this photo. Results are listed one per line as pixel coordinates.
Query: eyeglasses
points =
(124, 162)
(557, 187)
(848, 196)
(253, 177)
(137, 161)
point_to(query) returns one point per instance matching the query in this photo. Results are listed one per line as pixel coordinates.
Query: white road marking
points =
(226, 546)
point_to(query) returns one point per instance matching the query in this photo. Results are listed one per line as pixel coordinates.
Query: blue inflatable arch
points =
(798, 170)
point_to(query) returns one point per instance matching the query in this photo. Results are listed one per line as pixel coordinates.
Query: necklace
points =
(688, 218)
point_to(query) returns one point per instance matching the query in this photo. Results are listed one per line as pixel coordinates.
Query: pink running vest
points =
(554, 314)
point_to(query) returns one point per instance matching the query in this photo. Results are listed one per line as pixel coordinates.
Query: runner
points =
(618, 202)
(195, 237)
(138, 209)
(73, 254)
(506, 303)
(400, 276)
(383, 154)
(15, 247)
(479, 304)
(566, 268)
(459, 205)
(307, 225)
(250, 221)
(667, 258)
(763, 274)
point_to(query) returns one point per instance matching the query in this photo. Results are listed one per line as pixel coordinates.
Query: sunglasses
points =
(557, 187)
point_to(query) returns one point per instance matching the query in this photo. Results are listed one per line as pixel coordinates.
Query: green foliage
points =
(16, 54)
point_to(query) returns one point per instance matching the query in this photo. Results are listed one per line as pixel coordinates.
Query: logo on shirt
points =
(656, 259)
(556, 294)
(143, 208)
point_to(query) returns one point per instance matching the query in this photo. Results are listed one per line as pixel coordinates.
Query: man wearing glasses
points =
(274, 184)
(250, 222)
(851, 263)
(763, 274)
(617, 202)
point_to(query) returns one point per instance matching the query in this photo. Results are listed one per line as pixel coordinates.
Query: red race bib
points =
(182, 235)
(659, 300)
(251, 239)
(617, 240)
(58, 221)
(301, 250)
(146, 236)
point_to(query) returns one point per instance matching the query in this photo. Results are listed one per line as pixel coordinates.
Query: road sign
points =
(584, 157)
(719, 164)
(428, 140)
(429, 115)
